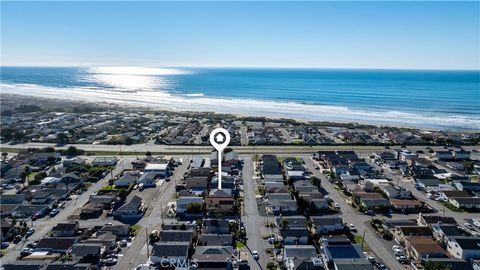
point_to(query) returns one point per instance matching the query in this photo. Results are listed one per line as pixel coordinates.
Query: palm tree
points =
(284, 224)
(468, 166)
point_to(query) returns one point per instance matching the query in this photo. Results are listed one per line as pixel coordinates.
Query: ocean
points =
(416, 98)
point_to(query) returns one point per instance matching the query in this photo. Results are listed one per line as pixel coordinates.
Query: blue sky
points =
(431, 35)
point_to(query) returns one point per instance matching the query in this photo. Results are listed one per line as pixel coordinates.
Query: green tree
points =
(316, 181)
(468, 166)
(284, 224)
(194, 207)
(73, 151)
(62, 138)
(429, 265)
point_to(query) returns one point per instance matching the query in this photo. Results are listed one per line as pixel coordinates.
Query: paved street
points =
(254, 223)
(380, 247)
(244, 135)
(197, 149)
(156, 202)
(286, 137)
(43, 226)
(410, 185)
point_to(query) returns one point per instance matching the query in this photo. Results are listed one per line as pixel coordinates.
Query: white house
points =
(162, 169)
(464, 247)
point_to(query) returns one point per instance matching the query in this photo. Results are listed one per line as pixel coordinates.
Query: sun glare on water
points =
(133, 78)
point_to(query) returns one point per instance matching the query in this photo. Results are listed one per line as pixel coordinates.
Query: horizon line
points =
(245, 67)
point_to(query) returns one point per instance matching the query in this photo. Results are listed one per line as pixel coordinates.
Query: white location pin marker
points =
(219, 139)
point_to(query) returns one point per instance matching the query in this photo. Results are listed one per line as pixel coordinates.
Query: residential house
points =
(87, 252)
(465, 248)
(56, 244)
(72, 162)
(461, 155)
(120, 230)
(325, 225)
(285, 207)
(423, 247)
(443, 233)
(189, 205)
(406, 205)
(12, 198)
(443, 155)
(107, 201)
(451, 263)
(413, 231)
(130, 210)
(218, 226)
(211, 239)
(106, 239)
(428, 220)
(65, 229)
(395, 192)
(167, 253)
(295, 255)
(295, 236)
(161, 169)
(214, 257)
(467, 185)
(25, 265)
(6, 210)
(70, 265)
(339, 253)
(221, 200)
(125, 181)
(371, 200)
(291, 221)
(176, 236)
(148, 179)
(26, 211)
(105, 161)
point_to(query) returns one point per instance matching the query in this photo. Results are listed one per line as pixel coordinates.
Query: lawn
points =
(358, 239)
(239, 244)
(31, 176)
(135, 229)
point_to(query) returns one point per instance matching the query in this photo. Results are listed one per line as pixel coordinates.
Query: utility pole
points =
(146, 239)
(363, 238)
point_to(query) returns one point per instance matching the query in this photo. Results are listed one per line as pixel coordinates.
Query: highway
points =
(140, 149)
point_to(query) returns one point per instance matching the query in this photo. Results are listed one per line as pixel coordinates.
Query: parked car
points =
(396, 247)
(352, 227)
(17, 238)
(30, 232)
(54, 212)
(469, 226)
(26, 251)
(402, 259)
(398, 252)
(4, 245)
(255, 255)
(110, 261)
